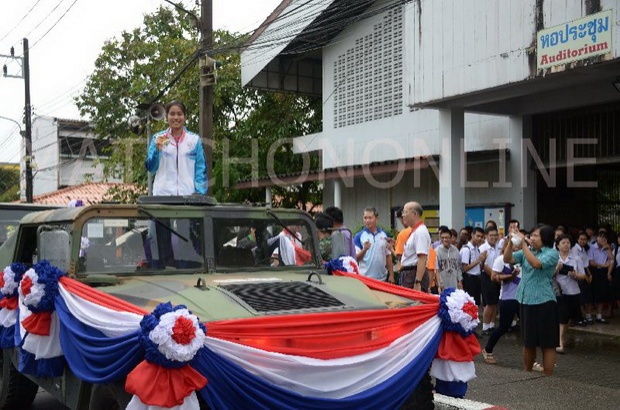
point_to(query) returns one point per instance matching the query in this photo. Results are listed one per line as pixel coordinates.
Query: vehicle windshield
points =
(126, 245)
(250, 243)
(146, 244)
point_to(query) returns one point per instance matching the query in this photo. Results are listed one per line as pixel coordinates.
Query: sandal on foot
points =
(537, 367)
(488, 357)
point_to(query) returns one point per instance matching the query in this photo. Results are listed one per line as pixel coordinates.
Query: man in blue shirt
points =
(374, 249)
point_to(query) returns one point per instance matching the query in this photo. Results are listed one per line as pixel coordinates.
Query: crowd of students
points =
(543, 280)
(582, 272)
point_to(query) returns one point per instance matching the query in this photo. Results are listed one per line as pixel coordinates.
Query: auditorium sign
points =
(580, 39)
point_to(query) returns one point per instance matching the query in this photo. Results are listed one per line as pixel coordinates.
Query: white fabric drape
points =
(332, 378)
(450, 371)
(110, 322)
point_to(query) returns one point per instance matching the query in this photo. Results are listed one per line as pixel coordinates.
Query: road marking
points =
(452, 403)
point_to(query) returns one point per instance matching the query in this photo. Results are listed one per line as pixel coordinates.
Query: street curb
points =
(450, 403)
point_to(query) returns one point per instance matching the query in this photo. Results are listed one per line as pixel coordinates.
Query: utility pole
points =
(206, 91)
(28, 121)
(24, 62)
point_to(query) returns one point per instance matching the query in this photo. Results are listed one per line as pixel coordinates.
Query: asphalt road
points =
(585, 377)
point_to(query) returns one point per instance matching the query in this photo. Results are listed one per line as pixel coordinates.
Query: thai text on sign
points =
(577, 40)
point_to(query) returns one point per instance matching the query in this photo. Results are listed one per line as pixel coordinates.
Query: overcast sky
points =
(61, 60)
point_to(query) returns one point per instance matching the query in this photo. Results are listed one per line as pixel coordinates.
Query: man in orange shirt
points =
(399, 245)
(431, 262)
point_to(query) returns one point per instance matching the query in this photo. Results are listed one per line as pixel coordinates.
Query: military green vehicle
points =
(12, 213)
(222, 261)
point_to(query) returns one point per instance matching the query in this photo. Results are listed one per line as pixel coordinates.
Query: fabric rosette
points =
(37, 291)
(453, 365)
(458, 311)
(9, 299)
(342, 264)
(39, 328)
(171, 337)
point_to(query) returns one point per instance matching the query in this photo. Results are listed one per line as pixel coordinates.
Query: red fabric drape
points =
(331, 335)
(324, 335)
(99, 297)
(9, 303)
(159, 386)
(38, 323)
(457, 348)
(375, 284)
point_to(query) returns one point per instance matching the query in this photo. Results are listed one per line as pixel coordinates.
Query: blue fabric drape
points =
(91, 355)
(7, 337)
(53, 367)
(232, 387)
(452, 389)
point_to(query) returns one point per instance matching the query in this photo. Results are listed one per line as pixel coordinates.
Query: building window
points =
(77, 147)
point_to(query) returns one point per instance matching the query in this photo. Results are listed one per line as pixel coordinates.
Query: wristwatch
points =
(417, 281)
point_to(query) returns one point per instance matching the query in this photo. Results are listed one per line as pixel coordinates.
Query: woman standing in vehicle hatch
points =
(176, 156)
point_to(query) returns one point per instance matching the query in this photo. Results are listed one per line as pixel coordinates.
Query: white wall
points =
(456, 47)
(45, 153)
(78, 172)
(52, 170)
(403, 133)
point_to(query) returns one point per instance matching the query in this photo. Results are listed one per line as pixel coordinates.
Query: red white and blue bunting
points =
(312, 361)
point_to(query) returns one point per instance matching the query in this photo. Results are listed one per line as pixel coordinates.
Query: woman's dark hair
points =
(178, 104)
(562, 237)
(547, 234)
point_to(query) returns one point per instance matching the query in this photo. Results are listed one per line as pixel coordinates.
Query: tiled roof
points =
(89, 193)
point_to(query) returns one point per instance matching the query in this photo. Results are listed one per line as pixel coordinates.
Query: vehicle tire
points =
(110, 396)
(16, 390)
(422, 396)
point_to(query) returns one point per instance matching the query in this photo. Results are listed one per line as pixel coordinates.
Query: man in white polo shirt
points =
(415, 253)
(472, 258)
(374, 249)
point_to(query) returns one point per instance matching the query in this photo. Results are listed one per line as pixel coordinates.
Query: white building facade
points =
(64, 154)
(471, 103)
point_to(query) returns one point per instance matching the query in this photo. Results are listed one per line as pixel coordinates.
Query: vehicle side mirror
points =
(55, 246)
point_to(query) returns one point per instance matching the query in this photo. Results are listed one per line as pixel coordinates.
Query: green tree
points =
(9, 183)
(139, 65)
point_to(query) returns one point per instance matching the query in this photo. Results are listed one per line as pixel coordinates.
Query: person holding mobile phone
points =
(568, 273)
(538, 304)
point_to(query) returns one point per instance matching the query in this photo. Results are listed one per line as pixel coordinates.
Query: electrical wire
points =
(44, 18)
(54, 25)
(282, 34)
(20, 21)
